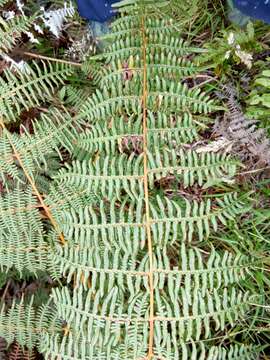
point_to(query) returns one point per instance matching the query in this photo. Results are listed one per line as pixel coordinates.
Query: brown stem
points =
(146, 194)
(48, 58)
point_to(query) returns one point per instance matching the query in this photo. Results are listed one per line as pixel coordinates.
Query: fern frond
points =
(108, 317)
(115, 223)
(198, 350)
(192, 315)
(51, 132)
(123, 27)
(69, 347)
(141, 286)
(131, 298)
(162, 96)
(171, 67)
(23, 90)
(158, 42)
(249, 142)
(11, 31)
(108, 176)
(190, 167)
(26, 324)
(18, 352)
(22, 243)
(126, 134)
(106, 268)
(75, 96)
(64, 197)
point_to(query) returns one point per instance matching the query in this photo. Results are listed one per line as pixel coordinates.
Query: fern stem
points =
(48, 58)
(33, 185)
(146, 193)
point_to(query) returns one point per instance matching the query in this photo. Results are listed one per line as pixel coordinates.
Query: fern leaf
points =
(50, 134)
(171, 67)
(22, 244)
(198, 350)
(116, 267)
(109, 176)
(126, 135)
(157, 42)
(18, 352)
(11, 31)
(104, 309)
(24, 90)
(169, 97)
(190, 167)
(26, 324)
(168, 219)
(141, 286)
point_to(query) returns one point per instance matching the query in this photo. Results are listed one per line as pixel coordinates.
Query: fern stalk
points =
(146, 196)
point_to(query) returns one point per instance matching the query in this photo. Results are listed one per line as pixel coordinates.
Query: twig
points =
(254, 171)
(5, 291)
(48, 58)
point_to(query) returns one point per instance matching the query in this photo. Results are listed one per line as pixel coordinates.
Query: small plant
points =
(259, 98)
(234, 47)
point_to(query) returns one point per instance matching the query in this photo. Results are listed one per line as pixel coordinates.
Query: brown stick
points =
(146, 194)
(48, 58)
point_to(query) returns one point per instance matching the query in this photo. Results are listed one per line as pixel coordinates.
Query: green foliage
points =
(25, 323)
(50, 134)
(11, 31)
(231, 47)
(259, 98)
(30, 87)
(21, 235)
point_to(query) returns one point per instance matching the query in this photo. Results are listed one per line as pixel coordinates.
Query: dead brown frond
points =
(17, 352)
(249, 142)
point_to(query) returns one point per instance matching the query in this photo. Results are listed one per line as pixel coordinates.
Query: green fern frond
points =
(75, 96)
(142, 289)
(125, 26)
(51, 132)
(23, 90)
(171, 67)
(111, 176)
(22, 244)
(198, 350)
(107, 315)
(115, 223)
(193, 218)
(162, 96)
(64, 197)
(69, 347)
(25, 323)
(126, 134)
(158, 42)
(191, 316)
(11, 31)
(190, 167)
(114, 267)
